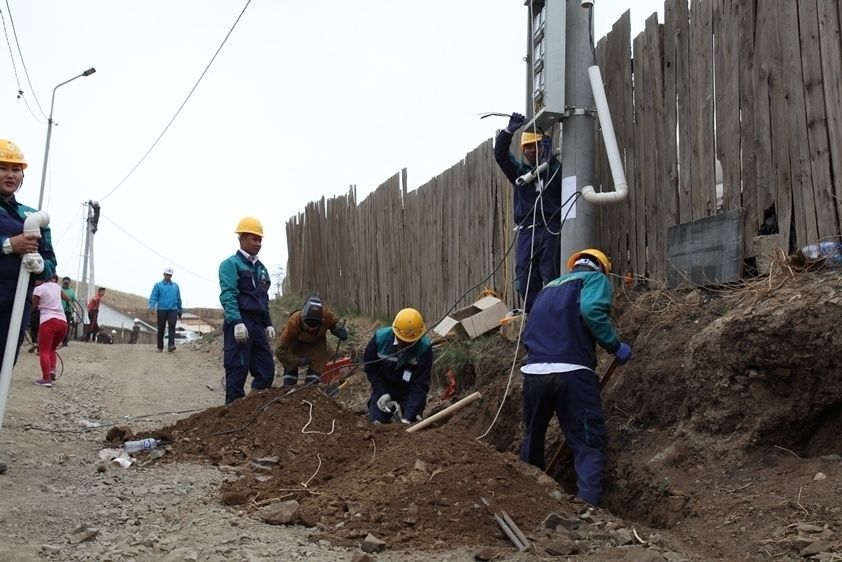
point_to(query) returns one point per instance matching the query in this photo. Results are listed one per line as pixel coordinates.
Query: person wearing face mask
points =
(247, 330)
(302, 342)
(34, 253)
(537, 207)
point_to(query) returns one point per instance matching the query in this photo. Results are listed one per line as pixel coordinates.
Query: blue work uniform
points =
(404, 374)
(244, 284)
(537, 213)
(12, 217)
(571, 315)
(166, 297)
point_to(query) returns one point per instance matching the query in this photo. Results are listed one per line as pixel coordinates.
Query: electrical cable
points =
(160, 255)
(22, 62)
(193, 89)
(15, 71)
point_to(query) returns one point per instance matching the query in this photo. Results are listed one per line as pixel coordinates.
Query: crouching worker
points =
(570, 316)
(398, 362)
(303, 341)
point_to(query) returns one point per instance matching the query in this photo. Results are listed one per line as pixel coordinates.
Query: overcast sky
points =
(303, 100)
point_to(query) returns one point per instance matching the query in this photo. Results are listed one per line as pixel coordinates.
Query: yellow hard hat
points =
(9, 152)
(530, 138)
(603, 259)
(409, 325)
(250, 225)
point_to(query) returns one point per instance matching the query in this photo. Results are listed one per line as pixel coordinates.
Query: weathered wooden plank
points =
(684, 109)
(670, 121)
(657, 199)
(799, 156)
(766, 196)
(752, 214)
(726, 36)
(639, 194)
(830, 22)
(779, 122)
(625, 140)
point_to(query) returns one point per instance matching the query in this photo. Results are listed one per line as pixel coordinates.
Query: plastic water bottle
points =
(140, 445)
(827, 250)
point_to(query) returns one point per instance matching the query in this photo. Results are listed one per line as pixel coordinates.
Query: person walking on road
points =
(166, 298)
(571, 315)
(537, 208)
(18, 249)
(92, 329)
(302, 342)
(398, 362)
(247, 330)
(47, 298)
(68, 306)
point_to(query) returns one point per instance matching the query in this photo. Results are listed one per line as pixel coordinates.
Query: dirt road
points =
(55, 505)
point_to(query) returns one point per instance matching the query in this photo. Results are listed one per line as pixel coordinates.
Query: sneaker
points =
(44, 382)
(52, 377)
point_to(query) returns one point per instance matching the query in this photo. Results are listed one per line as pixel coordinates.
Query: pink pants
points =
(50, 334)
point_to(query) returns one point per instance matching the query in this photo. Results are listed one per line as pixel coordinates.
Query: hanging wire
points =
(22, 61)
(193, 89)
(15, 70)
(160, 255)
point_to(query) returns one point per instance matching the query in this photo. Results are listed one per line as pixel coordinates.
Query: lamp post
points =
(50, 131)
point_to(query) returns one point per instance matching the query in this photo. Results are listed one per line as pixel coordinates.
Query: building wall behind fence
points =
(754, 84)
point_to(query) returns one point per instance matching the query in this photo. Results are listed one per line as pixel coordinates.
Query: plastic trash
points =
(140, 445)
(827, 251)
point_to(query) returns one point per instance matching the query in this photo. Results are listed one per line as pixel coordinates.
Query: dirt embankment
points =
(722, 443)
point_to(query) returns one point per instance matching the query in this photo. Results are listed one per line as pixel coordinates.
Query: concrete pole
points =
(577, 150)
(84, 303)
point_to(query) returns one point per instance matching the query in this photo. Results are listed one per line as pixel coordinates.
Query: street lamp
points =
(50, 131)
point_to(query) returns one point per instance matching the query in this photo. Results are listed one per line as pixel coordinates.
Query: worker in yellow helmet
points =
(32, 252)
(537, 207)
(248, 333)
(572, 314)
(398, 363)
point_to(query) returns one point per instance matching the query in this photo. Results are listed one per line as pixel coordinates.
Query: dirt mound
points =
(351, 478)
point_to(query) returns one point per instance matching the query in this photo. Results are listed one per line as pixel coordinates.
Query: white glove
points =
(33, 263)
(241, 333)
(394, 407)
(270, 334)
(383, 403)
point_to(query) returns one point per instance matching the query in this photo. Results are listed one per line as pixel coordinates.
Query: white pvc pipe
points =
(450, 410)
(31, 226)
(621, 188)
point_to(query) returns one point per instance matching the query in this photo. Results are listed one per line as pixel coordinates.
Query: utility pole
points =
(581, 229)
(92, 222)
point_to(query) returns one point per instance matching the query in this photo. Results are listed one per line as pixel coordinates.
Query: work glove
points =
(546, 147)
(303, 361)
(394, 409)
(241, 333)
(383, 403)
(340, 332)
(624, 353)
(516, 121)
(270, 333)
(33, 263)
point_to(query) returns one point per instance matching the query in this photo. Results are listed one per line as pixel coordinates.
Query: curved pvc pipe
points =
(621, 188)
(31, 226)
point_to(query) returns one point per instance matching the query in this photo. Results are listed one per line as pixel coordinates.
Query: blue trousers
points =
(240, 359)
(537, 262)
(574, 398)
(399, 395)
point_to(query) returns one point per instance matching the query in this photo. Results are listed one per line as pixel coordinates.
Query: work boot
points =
(171, 348)
(290, 378)
(312, 377)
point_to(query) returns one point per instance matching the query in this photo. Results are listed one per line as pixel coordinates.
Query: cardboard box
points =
(473, 321)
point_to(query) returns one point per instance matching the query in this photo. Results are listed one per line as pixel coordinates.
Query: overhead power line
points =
(193, 89)
(15, 70)
(22, 61)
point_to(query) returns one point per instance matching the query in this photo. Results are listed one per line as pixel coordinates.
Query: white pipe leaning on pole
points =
(450, 410)
(31, 226)
(621, 188)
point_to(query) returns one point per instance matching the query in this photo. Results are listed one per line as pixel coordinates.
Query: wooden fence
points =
(752, 86)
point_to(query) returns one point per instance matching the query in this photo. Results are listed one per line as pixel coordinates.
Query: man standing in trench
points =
(247, 331)
(571, 315)
(537, 208)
